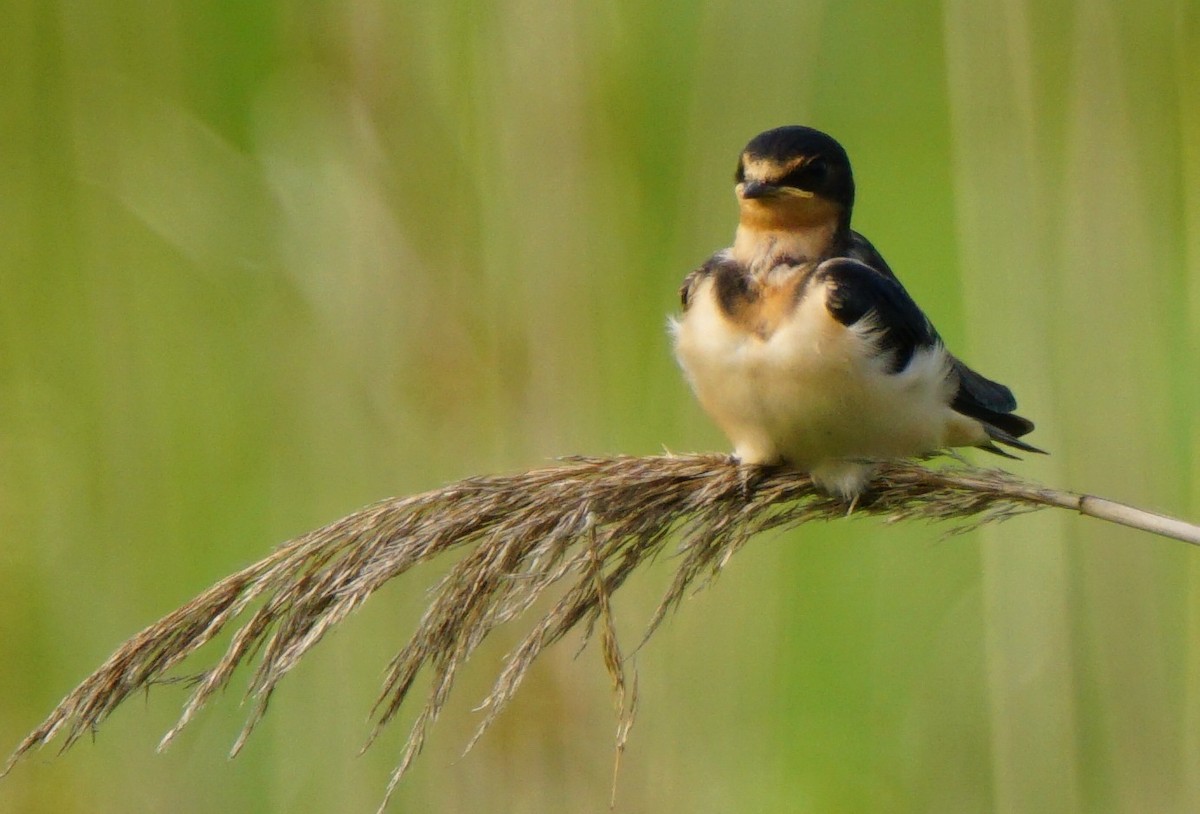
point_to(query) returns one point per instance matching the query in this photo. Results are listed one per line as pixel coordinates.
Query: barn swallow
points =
(804, 347)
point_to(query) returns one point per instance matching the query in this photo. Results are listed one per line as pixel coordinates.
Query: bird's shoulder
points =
(864, 251)
(720, 264)
(858, 293)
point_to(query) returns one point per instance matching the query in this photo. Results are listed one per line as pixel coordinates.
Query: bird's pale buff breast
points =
(811, 391)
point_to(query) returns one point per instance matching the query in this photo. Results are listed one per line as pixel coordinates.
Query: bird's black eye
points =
(739, 175)
(818, 170)
(811, 175)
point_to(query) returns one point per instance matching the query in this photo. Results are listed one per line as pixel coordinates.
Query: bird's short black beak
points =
(758, 189)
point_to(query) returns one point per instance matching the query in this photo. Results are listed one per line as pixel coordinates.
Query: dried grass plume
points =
(584, 525)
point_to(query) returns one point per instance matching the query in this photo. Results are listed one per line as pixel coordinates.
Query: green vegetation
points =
(264, 264)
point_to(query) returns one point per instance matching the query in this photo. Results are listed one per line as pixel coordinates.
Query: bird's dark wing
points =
(857, 290)
(864, 286)
(693, 280)
(862, 250)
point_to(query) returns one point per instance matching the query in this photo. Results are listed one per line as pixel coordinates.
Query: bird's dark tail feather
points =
(1008, 439)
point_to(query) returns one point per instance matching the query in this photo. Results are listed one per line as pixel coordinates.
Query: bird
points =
(804, 347)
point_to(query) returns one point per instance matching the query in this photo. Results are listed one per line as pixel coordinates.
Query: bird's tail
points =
(1007, 437)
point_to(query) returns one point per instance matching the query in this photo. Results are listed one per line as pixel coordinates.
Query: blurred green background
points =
(262, 263)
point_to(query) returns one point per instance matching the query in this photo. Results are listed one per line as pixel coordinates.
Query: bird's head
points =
(794, 178)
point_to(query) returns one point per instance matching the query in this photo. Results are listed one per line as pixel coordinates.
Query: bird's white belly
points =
(813, 392)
